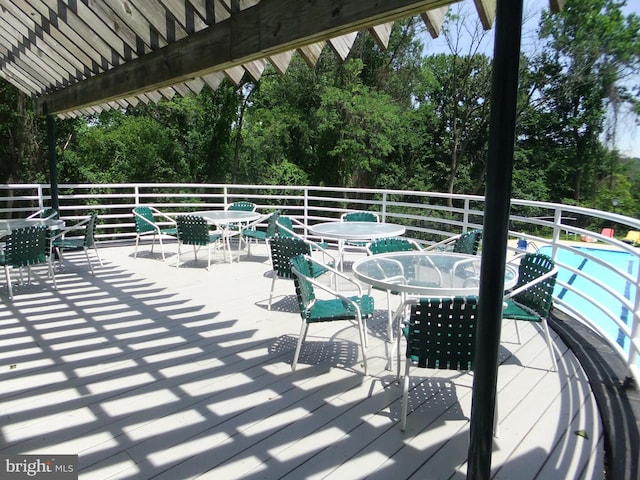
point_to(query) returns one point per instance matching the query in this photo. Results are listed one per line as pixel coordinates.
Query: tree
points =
(591, 50)
(21, 138)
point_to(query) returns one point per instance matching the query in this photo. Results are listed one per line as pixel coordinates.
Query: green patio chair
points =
(24, 247)
(532, 297)
(440, 334)
(146, 224)
(283, 249)
(194, 230)
(61, 242)
(241, 206)
(388, 245)
(356, 308)
(360, 216)
(468, 243)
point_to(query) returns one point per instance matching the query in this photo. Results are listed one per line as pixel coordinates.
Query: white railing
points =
(427, 216)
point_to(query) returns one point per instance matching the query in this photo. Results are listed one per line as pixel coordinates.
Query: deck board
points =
(148, 371)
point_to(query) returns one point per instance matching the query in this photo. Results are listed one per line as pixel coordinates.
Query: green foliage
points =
(385, 117)
(124, 148)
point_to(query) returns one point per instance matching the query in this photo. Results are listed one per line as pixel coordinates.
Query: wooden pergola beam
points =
(266, 29)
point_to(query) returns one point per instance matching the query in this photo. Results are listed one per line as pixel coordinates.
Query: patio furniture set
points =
(438, 285)
(42, 238)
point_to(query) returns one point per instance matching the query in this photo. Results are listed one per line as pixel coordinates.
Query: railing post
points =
(40, 198)
(634, 334)
(555, 239)
(384, 206)
(305, 211)
(465, 216)
(136, 195)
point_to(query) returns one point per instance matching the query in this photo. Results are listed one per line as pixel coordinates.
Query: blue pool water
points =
(623, 261)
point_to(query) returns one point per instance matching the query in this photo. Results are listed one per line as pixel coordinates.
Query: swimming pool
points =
(623, 261)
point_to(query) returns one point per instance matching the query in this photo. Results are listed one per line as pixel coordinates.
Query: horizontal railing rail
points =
(427, 216)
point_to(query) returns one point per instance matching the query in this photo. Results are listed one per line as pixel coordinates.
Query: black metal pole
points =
(504, 92)
(53, 162)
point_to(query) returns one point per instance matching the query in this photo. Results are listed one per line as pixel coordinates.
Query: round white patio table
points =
(355, 231)
(223, 219)
(424, 274)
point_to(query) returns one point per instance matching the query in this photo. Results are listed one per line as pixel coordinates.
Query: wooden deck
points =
(148, 371)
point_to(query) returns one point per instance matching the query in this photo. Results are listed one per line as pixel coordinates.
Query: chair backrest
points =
(90, 231)
(283, 249)
(468, 242)
(287, 223)
(272, 224)
(539, 296)
(441, 333)
(26, 246)
(359, 217)
(192, 230)
(146, 213)
(394, 244)
(243, 206)
(302, 271)
(49, 213)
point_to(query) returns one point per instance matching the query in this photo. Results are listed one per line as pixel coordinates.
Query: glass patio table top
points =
(426, 273)
(7, 226)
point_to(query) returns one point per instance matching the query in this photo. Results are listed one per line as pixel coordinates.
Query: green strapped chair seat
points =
(440, 334)
(283, 249)
(356, 308)
(146, 224)
(24, 247)
(61, 242)
(532, 297)
(194, 230)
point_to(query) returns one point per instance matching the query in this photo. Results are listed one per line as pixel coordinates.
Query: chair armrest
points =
(163, 215)
(442, 243)
(37, 215)
(150, 223)
(335, 272)
(304, 227)
(78, 226)
(314, 245)
(260, 220)
(524, 287)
